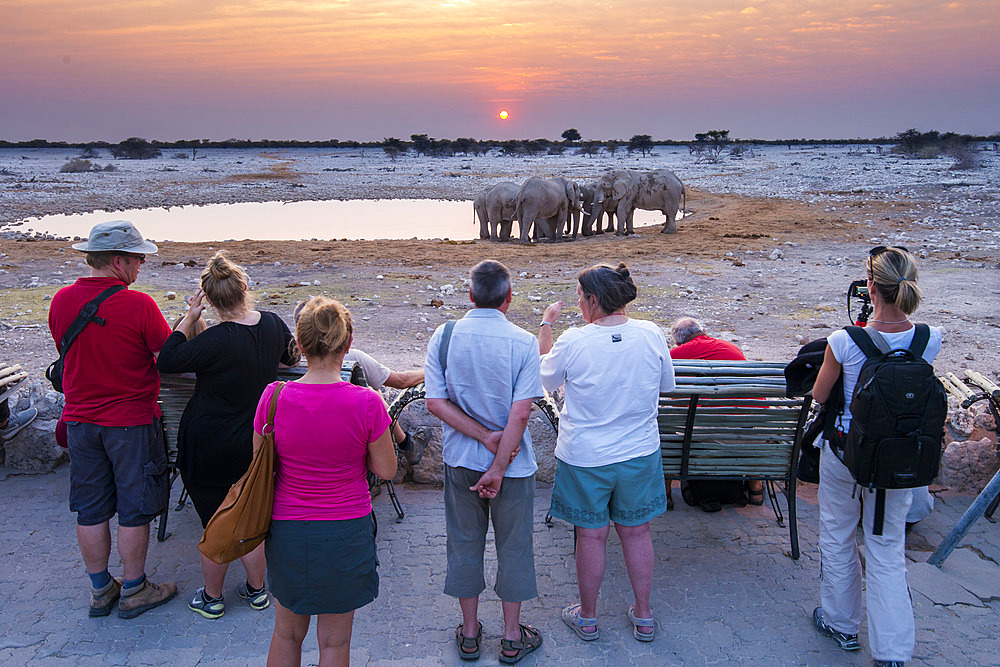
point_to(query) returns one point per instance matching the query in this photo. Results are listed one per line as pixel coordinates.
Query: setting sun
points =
(503, 115)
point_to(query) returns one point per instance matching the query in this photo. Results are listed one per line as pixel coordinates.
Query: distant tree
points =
(611, 147)
(708, 146)
(571, 135)
(393, 147)
(557, 149)
(421, 143)
(512, 147)
(465, 145)
(134, 148)
(589, 148)
(536, 146)
(88, 153)
(642, 143)
(442, 147)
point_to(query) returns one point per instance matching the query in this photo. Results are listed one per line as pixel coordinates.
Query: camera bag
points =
(898, 412)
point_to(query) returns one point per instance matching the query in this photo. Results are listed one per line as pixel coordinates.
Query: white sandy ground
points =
(848, 198)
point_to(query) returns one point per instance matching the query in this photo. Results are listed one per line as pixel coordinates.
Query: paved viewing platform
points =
(724, 591)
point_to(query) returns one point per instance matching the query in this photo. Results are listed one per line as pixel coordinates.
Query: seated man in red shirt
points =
(694, 343)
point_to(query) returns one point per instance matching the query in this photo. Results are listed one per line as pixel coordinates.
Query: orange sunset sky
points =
(81, 70)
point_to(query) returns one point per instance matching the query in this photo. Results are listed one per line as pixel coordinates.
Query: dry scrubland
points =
(765, 257)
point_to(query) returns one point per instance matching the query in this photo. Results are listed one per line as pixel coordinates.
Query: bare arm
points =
(382, 456)
(404, 379)
(193, 314)
(545, 330)
(827, 377)
(489, 484)
(456, 417)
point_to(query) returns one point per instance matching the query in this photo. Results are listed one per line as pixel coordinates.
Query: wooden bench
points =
(730, 420)
(11, 379)
(176, 391)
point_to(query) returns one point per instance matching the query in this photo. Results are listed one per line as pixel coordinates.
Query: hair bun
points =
(622, 269)
(220, 267)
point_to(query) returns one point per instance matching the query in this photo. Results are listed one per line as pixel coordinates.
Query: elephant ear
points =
(622, 187)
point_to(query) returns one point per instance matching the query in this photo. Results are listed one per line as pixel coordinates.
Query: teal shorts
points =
(629, 493)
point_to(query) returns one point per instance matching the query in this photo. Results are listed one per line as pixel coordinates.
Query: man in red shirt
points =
(694, 343)
(118, 461)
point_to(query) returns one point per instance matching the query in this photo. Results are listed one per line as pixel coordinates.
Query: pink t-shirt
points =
(321, 437)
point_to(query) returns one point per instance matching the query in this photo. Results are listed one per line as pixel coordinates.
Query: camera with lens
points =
(859, 291)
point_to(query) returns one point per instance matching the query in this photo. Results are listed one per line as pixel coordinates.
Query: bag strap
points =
(920, 339)
(443, 345)
(87, 315)
(273, 407)
(865, 338)
(878, 521)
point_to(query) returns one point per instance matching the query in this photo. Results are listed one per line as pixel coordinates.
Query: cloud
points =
(749, 11)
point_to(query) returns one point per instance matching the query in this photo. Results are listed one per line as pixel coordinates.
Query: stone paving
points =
(724, 591)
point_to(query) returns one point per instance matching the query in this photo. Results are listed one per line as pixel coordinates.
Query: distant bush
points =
(930, 145)
(88, 153)
(108, 167)
(135, 148)
(557, 149)
(708, 146)
(76, 166)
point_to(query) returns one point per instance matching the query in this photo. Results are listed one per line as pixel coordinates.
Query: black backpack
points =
(898, 412)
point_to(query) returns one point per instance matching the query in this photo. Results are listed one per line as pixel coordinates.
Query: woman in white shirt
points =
(608, 449)
(892, 284)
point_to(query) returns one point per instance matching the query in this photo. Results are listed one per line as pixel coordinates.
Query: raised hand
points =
(552, 312)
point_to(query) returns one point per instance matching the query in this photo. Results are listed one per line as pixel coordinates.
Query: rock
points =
(962, 421)
(985, 421)
(171, 296)
(776, 254)
(967, 465)
(425, 428)
(34, 448)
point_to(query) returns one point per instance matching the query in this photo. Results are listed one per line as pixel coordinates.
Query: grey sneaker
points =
(148, 596)
(102, 600)
(889, 663)
(258, 599)
(845, 641)
(17, 421)
(207, 607)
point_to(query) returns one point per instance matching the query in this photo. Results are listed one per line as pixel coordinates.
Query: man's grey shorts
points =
(119, 469)
(466, 521)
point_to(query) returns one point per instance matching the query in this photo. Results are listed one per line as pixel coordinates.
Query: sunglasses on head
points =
(879, 249)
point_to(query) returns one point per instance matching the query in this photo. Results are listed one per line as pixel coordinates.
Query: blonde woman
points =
(327, 435)
(233, 361)
(892, 284)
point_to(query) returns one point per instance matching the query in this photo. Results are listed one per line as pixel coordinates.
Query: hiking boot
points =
(17, 421)
(102, 600)
(145, 597)
(258, 599)
(845, 641)
(206, 606)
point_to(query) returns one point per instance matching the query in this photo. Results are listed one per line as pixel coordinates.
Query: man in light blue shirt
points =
(481, 381)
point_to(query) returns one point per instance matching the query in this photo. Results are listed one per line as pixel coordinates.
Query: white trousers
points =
(890, 610)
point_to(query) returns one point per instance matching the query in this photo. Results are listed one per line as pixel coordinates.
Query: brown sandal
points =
(530, 640)
(471, 643)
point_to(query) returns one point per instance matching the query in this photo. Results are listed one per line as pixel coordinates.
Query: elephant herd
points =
(551, 208)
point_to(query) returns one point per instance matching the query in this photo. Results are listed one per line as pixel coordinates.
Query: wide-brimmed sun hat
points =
(116, 236)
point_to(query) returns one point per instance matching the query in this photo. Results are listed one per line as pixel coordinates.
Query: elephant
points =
(479, 211)
(588, 192)
(494, 207)
(547, 203)
(574, 197)
(657, 190)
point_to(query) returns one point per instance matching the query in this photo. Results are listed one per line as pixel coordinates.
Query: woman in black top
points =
(233, 362)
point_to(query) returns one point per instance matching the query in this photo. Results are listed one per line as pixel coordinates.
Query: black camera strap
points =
(87, 315)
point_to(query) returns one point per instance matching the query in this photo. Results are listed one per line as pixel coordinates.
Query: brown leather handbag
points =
(244, 517)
